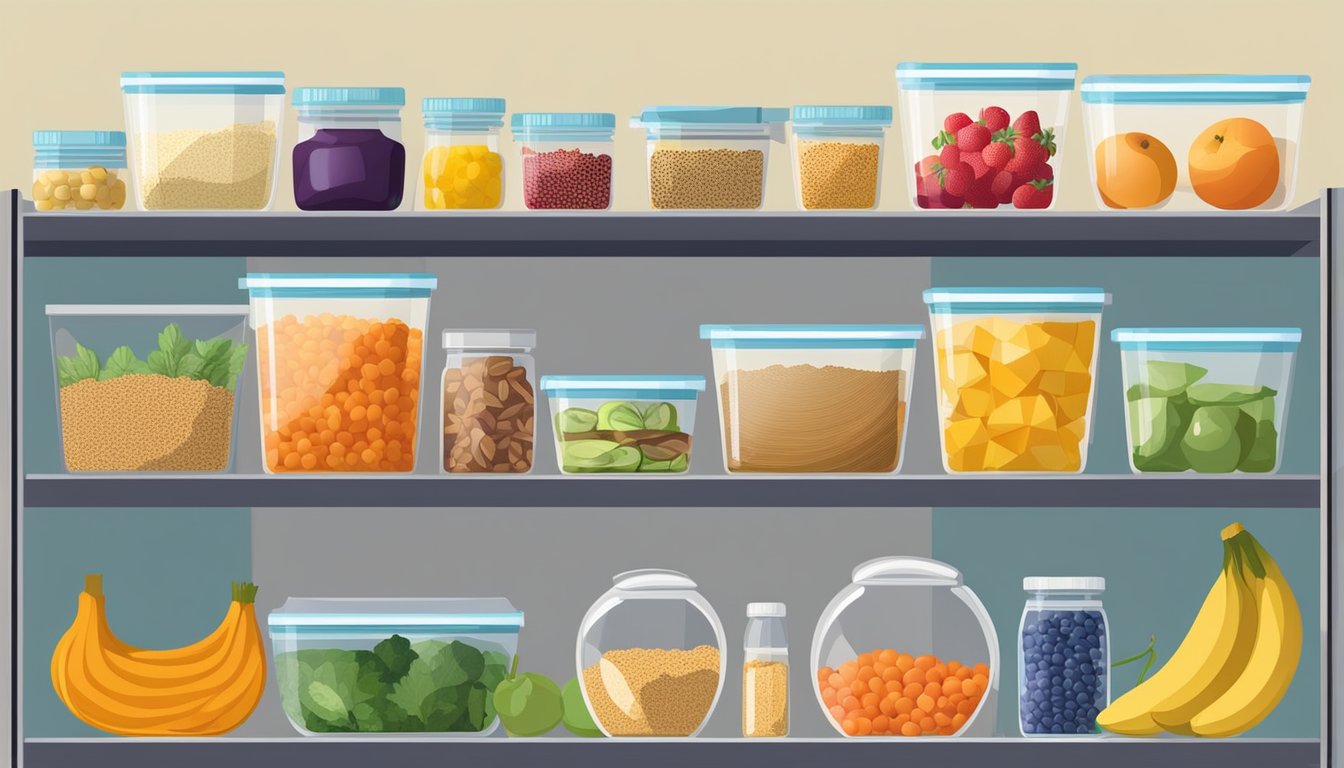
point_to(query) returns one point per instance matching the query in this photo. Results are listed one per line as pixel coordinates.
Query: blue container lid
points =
(412, 616)
(563, 120)
(290, 285)
(1015, 300)
(79, 139)
(633, 386)
(202, 82)
(349, 97)
(812, 336)
(986, 76)
(1195, 89)
(1209, 339)
(822, 115)
(712, 115)
(446, 105)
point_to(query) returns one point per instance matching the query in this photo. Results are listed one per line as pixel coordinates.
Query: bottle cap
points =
(765, 610)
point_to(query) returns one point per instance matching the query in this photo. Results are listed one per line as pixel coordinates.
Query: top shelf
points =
(476, 235)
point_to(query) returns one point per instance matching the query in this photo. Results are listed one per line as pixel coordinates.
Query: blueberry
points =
(1056, 728)
(1086, 668)
(1089, 679)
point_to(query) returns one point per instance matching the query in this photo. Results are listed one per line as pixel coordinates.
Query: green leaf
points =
(458, 663)
(1046, 138)
(476, 698)
(237, 359)
(414, 689)
(191, 366)
(77, 367)
(121, 362)
(172, 347)
(944, 139)
(396, 655)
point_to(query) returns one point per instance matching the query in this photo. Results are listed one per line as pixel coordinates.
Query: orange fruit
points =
(1234, 164)
(1134, 170)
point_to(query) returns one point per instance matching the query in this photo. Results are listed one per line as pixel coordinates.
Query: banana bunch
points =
(203, 689)
(1235, 663)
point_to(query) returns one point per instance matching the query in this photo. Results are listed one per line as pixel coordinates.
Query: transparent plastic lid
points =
(1208, 339)
(631, 386)
(490, 338)
(824, 115)
(811, 336)
(338, 285)
(1195, 89)
(389, 615)
(1064, 584)
(652, 579)
(197, 82)
(986, 76)
(74, 310)
(1026, 299)
(906, 571)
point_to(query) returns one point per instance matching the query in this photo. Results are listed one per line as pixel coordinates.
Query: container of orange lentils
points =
(906, 650)
(339, 364)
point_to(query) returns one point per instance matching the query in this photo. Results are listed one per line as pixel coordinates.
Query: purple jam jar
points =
(349, 156)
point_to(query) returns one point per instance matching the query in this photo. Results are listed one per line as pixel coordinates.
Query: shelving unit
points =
(1302, 498)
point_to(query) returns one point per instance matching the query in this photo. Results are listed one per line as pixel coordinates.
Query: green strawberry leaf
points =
(121, 362)
(1046, 138)
(1041, 183)
(944, 139)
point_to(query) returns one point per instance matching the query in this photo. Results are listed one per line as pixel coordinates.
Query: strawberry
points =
(973, 137)
(1027, 155)
(1035, 194)
(926, 166)
(959, 179)
(1003, 185)
(1043, 172)
(994, 118)
(977, 164)
(980, 196)
(949, 200)
(1045, 138)
(997, 154)
(956, 121)
(950, 156)
(1028, 123)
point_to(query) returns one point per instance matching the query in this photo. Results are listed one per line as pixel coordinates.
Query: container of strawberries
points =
(984, 136)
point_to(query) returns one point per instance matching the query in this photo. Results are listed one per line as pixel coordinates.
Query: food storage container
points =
(204, 141)
(765, 672)
(1194, 142)
(709, 157)
(1016, 368)
(566, 159)
(407, 665)
(349, 156)
(906, 649)
(1063, 656)
(623, 423)
(837, 156)
(339, 359)
(489, 401)
(651, 656)
(147, 388)
(813, 398)
(462, 168)
(984, 135)
(1206, 399)
(79, 170)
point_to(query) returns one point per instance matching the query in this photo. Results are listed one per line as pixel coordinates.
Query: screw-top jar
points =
(566, 159)
(462, 168)
(489, 401)
(79, 170)
(1063, 656)
(765, 672)
(349, 156)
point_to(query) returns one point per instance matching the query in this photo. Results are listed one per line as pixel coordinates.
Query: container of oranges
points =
(339, 365)
(906, 650)
(1016, 373)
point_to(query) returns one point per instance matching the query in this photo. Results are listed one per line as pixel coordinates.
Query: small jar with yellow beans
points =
(79, 170)
(462, 168)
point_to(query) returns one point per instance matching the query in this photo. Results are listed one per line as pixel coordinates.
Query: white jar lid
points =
(489, 338)
(1064, 584)
(765, 610)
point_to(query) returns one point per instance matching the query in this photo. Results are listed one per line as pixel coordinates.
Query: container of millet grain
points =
(837, 156)
(147, 388)
(709, 158)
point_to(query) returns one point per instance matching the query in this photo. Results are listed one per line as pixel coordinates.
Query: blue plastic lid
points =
(812, 336)
(1208, 339)
(200, 82)
(1195, 89)
(396, 615)
(80, 139)
(563, 120)
(445, 105)
(841, 115)
(713, 115)
(986, 76)
(633, 386)
(351, 97)
(1015, 300)
(338, 285)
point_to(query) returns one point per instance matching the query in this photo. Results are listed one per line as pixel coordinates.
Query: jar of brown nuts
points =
(489, 400)
(79, 170)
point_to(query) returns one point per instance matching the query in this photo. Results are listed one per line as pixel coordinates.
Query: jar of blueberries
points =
(1063, 656)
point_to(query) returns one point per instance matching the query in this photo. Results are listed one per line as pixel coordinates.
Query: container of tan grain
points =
(837, 156)
(204, 141)
(651, 656)
(813, 398)
(147, 388)
(709, 158)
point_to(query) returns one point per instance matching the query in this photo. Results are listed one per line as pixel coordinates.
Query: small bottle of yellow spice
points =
(765, 672)
(462, 168)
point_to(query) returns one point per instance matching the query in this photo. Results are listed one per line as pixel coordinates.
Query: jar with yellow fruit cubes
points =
(462, 168)
(1016, 373)
(79, 170)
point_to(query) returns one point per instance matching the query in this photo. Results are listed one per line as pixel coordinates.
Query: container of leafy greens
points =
(403, 665)
(147, 388)
(1207, 400)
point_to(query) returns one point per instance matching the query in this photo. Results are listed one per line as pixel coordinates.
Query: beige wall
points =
(63, 60)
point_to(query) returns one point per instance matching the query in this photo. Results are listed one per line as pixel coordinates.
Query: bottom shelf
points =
(666, 753)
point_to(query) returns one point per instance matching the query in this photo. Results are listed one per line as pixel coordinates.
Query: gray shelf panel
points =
(1277, 491)
(671, 235)
(340, 753)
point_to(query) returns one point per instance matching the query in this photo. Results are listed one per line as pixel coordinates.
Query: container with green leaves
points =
(147, 388)
(622, 423)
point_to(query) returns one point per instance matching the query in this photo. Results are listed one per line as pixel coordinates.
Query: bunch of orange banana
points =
(203, 689)
(1235, 663)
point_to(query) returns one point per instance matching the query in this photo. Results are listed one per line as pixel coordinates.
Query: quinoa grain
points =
(838, 174)
(706, 178)
(229, 169)
(653, 691)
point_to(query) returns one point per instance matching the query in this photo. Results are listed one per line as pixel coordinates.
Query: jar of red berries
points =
(566, 159)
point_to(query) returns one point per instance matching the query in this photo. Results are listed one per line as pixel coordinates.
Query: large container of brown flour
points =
(813, 398)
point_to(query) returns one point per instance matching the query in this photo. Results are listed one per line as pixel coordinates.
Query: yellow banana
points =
(237, 698)
(1273, 662)
(1219, 638)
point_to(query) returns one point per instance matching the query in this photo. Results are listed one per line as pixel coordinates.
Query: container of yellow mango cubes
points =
(1016, 375)
(462, 169)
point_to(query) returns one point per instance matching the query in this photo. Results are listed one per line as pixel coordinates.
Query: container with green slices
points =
(622, 423)
(1206, 400)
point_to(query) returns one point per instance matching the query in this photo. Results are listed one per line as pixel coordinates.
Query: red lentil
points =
(566, 178)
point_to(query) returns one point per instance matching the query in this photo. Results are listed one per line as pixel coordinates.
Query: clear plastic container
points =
(1210, 400)
(651, 656)
(349, 156)
(462, 168)
(204, 141)
(1193, 142)
(566, 159)
(393, 665)
(622, 423)
(1063, 656)
(837, 156)
(1016, 373)
(709, 158)
(765, 672)
(147, 388)
(489, 401)
(1000, 124)
(789, 395)
(79, 170)
(339, 364)
(905, 623)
